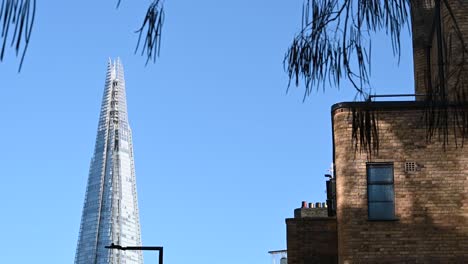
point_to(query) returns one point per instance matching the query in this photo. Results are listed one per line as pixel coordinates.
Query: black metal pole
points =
(159, 249)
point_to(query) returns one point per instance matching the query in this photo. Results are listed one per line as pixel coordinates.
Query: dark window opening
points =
(380, 191)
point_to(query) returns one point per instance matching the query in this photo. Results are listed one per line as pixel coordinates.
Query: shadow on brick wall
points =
(414, 240)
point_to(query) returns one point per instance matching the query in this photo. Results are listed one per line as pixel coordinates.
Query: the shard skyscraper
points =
(110, 211)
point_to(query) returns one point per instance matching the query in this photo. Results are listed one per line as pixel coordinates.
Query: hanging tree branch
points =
(17, 20)
(16, 23)
(152, 28)
(364, 132)
(447, 109)
(334, 41)
(334, 44)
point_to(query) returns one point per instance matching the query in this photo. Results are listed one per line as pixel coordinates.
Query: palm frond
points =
(16, 23)
(151, 30)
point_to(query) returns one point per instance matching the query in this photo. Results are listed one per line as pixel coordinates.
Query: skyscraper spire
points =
(110, 211)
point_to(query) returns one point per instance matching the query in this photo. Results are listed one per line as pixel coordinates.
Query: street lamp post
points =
(119, 247)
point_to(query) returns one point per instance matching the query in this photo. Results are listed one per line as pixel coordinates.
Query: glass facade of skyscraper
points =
(110, 211)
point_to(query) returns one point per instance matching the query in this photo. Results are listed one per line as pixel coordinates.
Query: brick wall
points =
(425, 38)
(453, 54)
(422, 12)
(431, 204)
(311, 240)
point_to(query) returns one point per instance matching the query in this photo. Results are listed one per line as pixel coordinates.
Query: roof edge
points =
(390, 105)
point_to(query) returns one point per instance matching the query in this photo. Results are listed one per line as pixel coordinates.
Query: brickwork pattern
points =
(424, 38)
(431, 204)
(454, 58)
(421, 22)
(311, 240)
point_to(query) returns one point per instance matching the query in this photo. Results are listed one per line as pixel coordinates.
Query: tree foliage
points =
(17, 21)
(446, 79)
(151, 30)
(334, 42)
(16, 24)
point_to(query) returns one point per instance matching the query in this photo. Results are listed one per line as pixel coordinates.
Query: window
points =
(380, 191)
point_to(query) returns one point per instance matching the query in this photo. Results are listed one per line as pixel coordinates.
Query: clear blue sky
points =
(223, 154)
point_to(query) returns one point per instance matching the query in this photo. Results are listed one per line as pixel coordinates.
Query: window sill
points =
(383, 220)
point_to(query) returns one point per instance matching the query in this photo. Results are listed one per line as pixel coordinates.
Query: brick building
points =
(400, 168)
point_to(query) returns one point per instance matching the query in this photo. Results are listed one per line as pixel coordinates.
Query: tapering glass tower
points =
(110, 211)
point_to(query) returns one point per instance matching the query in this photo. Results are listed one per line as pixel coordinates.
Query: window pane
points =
(380, 193)
(381, 211)
(380, 173)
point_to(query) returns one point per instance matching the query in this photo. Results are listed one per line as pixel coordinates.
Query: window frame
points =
(390, 165)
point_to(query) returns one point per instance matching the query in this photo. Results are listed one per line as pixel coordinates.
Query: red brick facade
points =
(311, 239)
